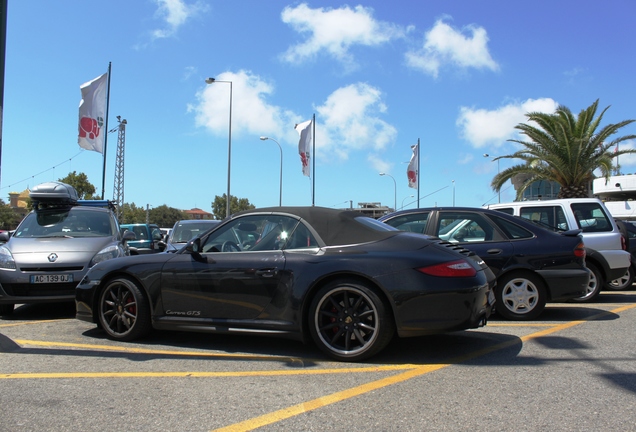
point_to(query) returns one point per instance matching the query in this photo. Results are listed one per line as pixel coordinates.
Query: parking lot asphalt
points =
(574, 368)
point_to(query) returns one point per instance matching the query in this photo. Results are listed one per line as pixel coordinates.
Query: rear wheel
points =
(124, 313)
(593, 288)
(623, 282)
(6, 309)
(520, 296)
(349, 321)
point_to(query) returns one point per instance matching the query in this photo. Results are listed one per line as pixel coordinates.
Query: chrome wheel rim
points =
(520, 296)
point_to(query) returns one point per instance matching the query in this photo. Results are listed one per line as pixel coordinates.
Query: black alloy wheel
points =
(520, 296)
(123, 310)
(349, 321)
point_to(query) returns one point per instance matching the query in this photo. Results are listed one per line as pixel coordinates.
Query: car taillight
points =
(460, 268)
(579, 250)
(623, 243)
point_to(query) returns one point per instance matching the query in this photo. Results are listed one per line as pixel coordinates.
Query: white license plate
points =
(53, 278)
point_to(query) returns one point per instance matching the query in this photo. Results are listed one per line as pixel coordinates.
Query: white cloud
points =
(445, 45)
(483, 128)
(351, 121)
(251, 113)
(335, 31)
(627, 159)
(348, 121)
(175, 13)
(379, 164)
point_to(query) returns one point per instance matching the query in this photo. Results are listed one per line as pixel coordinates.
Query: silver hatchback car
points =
(55, 245)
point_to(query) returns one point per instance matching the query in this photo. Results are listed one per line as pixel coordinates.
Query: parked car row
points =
(346, 282)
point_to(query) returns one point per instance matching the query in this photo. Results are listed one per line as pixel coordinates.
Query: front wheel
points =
(623, 282)
(593, 288)
(349, 321)
(520, 296)
(124, 313)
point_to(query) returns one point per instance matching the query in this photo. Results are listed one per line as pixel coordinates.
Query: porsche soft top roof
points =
(335, 227)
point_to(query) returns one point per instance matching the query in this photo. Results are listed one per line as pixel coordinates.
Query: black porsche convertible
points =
(343, 280)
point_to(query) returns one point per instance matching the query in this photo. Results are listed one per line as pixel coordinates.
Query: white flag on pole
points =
(411, 171)
(304, 145)
(92, 114)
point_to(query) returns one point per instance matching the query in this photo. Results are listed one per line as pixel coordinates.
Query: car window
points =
(414, 222)
(301, 238)
(464, 227)
(507, 210)
(551, 217)
(591, 217)
(512, 230)
(251, 233)
(66, 222)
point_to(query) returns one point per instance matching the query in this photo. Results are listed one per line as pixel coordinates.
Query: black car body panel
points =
(270, 290)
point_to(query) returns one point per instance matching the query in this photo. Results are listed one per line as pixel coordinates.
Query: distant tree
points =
(165, 216)
(565, 149)
(219, 206)
(85, 190)
(130, 213)
(8, 218)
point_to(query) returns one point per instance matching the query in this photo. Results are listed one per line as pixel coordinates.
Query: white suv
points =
(606, 257)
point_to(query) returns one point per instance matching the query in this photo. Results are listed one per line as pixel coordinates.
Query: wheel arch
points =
(112, 276)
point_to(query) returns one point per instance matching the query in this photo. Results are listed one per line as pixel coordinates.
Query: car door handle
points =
(493, 251)
(267, 273)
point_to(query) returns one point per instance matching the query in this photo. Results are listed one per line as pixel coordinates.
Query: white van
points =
(606, 254)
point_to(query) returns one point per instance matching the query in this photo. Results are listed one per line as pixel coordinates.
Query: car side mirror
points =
(4, 237)
(194, 246)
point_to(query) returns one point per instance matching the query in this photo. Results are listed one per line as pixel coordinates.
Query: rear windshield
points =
(66, 222)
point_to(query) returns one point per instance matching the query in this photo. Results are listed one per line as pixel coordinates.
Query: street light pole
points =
(280, 194)
(498, 171)
(229, 145)
(394, 190)
(410, 196)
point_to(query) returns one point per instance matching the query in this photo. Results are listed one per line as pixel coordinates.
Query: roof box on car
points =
(53, 193)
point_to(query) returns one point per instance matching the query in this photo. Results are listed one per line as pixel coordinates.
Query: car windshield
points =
(184, 232)
(66, 222)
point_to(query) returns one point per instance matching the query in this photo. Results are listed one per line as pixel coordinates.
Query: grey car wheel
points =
(593, 288)
(520, 296)
(123, 310)
(349, 321)
(623, 282)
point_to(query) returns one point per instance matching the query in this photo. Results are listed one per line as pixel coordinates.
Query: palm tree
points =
(565, 150)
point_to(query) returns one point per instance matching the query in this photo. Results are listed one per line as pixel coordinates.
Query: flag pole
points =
(106, 132)
(418, 173)
(313, 187)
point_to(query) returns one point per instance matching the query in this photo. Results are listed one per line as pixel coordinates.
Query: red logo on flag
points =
(89, 127)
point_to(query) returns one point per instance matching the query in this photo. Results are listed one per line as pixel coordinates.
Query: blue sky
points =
(378, 75)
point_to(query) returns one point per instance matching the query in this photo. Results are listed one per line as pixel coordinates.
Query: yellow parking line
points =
(147, 351)
(304, 407)
(370, 369)
(31, 322)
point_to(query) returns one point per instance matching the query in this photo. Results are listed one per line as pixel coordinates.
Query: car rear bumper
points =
(565, 284)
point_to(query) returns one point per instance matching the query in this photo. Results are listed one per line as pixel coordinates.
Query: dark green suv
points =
(147, 237)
